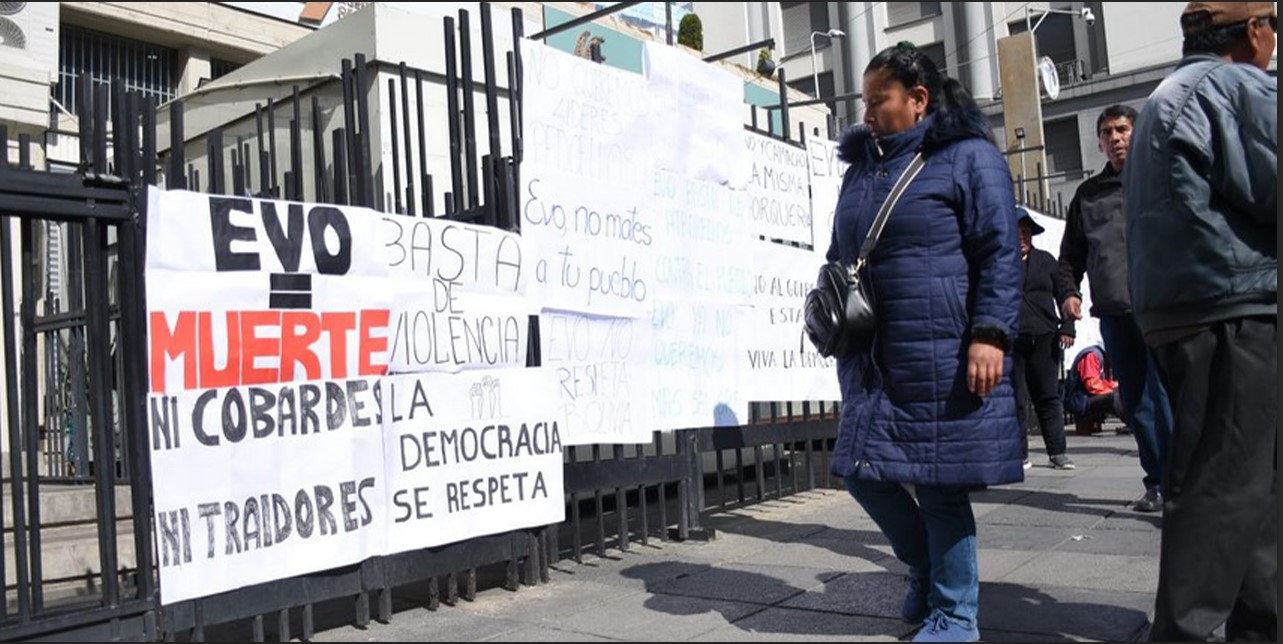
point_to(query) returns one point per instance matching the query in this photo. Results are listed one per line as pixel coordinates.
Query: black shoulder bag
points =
(839, 312)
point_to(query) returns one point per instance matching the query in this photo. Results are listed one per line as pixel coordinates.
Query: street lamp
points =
(1086, 14)
(815, 73)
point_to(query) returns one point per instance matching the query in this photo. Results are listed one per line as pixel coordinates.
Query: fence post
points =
(691, 489)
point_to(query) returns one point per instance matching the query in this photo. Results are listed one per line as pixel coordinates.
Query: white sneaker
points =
(1027, 464)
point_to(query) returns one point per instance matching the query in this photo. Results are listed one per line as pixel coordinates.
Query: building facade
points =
(1104, 53)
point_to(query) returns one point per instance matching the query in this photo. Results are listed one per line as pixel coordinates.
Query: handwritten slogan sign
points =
(642, 261)
(779, 190)
(457, 471)
(275, 329)
(700, 133)
(603, 376)
(585, 211)
(826, 172)
(778, 360)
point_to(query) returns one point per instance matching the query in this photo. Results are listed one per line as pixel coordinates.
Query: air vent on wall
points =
(29, 31)
(11, 34)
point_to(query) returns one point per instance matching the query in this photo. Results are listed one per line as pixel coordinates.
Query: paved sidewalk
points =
(1062, 558)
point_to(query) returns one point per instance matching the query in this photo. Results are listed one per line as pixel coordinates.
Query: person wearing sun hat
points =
(1202, 251)
(1037, 353)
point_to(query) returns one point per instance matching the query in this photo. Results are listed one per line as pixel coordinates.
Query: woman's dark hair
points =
(947, 99)
(1202, 38)
(913, 68)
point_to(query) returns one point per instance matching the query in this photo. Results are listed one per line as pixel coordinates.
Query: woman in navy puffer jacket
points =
(930, 404)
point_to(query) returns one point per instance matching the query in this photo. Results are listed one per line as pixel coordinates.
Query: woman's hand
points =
(984, 366)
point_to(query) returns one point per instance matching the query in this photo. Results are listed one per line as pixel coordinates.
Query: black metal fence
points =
(82, 426)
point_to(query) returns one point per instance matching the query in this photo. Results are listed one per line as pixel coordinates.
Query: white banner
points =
(455, 472)
(586, 176)
(603, 371)
(826, 182)
(697, 379)
(272, 328)
(778, 360)
(251, 484)
(778, 189)
(594, 243)
(656, 231)
(702, 136)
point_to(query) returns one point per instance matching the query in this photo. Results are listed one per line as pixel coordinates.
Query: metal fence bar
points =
(340, 167)
(12, 416)
(405, 130)
(320, 179)
(352, 180)
(29, 429)
(396, 148)
(621, 504)
(364, 170)
(426, 185)
(272, 188)
(455, 202)
(100, 409)
(469, 111)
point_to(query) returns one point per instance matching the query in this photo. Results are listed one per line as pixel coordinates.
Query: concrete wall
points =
(1130, 47)
(236, 36)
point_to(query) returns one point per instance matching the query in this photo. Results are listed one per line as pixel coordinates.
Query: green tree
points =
(690, 32)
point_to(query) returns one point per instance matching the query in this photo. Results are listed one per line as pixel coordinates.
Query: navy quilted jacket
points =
(948, 263)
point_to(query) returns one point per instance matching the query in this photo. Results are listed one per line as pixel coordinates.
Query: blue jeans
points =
(935, 536)
(1141, 391)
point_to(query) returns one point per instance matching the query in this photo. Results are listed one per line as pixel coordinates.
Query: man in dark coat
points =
(1095, 243)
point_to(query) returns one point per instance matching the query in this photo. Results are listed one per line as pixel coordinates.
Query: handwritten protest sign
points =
(826, 172)
(778, 189)
(259, 483)
(603, 376)
(701, 136)
(273, 327)
(586, 175)
(778, 361)
(455, 472)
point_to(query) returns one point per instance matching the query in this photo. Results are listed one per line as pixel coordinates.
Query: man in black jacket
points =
(1035, 363)
(1095, 243)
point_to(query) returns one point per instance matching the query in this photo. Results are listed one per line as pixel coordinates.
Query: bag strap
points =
(875, 231)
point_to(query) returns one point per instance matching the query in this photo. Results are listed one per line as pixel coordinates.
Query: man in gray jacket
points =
(1202, 225)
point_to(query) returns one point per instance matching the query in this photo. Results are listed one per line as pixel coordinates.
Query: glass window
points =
(141, 66)
(900, 13)
(1054, 38)
(1064, 148)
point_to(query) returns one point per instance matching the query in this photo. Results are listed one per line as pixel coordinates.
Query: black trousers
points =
(1102, 405)
(1219, 561)
(1035, 366)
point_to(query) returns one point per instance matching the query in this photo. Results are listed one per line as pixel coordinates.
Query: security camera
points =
(1088, 16)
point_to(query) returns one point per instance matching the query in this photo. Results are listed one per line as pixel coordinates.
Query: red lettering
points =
(299, 330)
(265, 347)
(337, 325)
(368, 345)
(173, 343)
(210, 375)
(254, 346)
